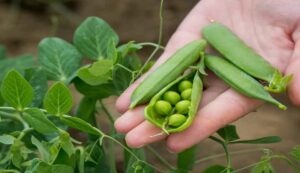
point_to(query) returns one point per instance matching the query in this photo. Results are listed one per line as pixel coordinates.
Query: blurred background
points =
(23, 23)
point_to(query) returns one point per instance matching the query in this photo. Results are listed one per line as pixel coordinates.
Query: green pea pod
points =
(196, 95)
(239, 80)
(244, 57)
(167, 72)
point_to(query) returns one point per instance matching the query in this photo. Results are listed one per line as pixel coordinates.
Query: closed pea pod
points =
(239, 80)
(167, 72)
(177, 123)
(244, 57)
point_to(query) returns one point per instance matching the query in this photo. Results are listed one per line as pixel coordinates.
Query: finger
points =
(188, 31)
(143, 134)
(130, 119)
(293, 68)
(226, 108)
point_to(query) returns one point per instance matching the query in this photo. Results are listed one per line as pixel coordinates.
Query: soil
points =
(22, 27)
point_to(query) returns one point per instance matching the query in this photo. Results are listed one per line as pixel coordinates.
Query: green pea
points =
(172, 97)
(163, 108)
(186, 94)
(239, 80)
(183, 106)
(184, 85)
(241, 55)
(176, 120)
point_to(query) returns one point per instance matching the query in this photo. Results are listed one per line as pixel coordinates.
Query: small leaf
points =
(296, 153)
(66, 143)
(127, 48)
(16, 91)
(186, 159)
(264, 166)
(80, 124)
(38, 120)
(228, 133)
(43, 167)
(215, 169)
(58, 99)
(98, 73)
(42, 148)
(7, 139)
(264, 140)
(93, 37)
(38, 80)
(58, 58)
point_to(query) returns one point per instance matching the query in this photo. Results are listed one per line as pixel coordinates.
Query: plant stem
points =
(107, 113)
(161, 21)
(160, 158)
(152, 44)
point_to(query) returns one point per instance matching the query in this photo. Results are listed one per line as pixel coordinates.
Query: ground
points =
(22, 27)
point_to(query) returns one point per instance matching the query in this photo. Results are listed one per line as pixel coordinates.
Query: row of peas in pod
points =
(174, 90)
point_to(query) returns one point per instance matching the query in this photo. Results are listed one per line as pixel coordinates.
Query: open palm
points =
(271, 27)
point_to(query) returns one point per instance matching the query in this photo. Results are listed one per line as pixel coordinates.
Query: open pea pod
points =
(196, 95)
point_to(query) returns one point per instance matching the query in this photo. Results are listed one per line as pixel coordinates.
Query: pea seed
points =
(183, 106)
(186, 94)
(184, 85)
(171, 97)
(176, 120)
(163, 108)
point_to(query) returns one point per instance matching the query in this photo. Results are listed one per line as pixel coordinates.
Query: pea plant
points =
(41, 133)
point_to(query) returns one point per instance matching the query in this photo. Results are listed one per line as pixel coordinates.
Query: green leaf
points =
(228, 133)
(86, 109)
(127, 48)
(264, 140)
(215, 169)
(295, 153)
(7, 139)
(66, 143)
(16, 91)
(19, 152)
(57, 168)
(98, 92)
(98, 73)
(2, 102)
(131, 165)
(80, 124)
(186, 159)
(38, 80)
(264, 166)
(38, 121)
(18, 63)
(93, 38)
(58, 99)
(58, 58)
(42, 148)
(2, 52)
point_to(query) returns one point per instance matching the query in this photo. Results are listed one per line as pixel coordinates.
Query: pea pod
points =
(162, 122)
(244, 57)
(167, 72)
(239, 80)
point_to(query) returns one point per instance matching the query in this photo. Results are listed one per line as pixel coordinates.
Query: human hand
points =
(272, 28)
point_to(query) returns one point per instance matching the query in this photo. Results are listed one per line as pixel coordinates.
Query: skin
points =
(271, 27)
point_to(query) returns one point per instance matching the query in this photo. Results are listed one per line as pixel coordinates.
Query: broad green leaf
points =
(57, 168)
(93, 38)
(7, 139)
(86, 109)
(38, 80)
(215, 169)
(186, 159)
(127, 48)
(80, 124)
(66, 143)
(228, 133)
(99, 92)
(38, 121)
(264, 140)
(2, 52)
(58, 99)
(296, 153)
(42, 148)
(16, 91)
(264, 166)
(58, 58)
(19, 63)
(98, 73)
